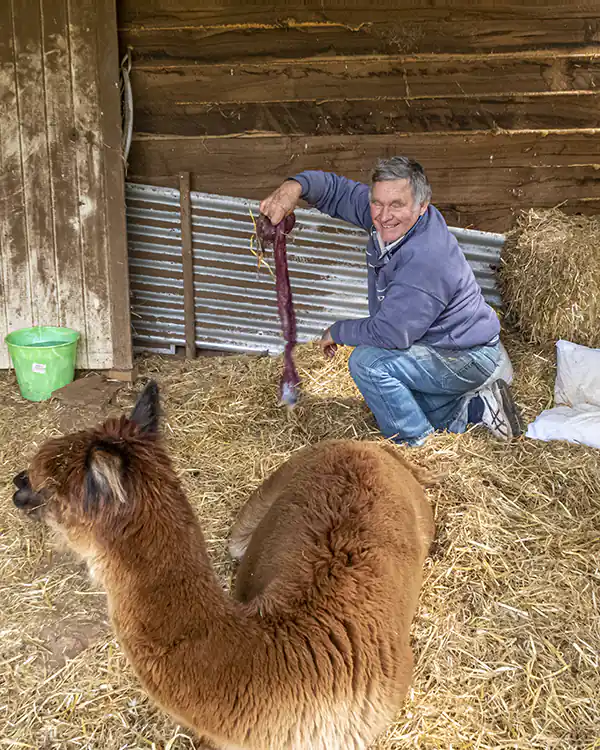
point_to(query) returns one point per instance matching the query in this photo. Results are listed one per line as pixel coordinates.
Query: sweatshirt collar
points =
(383, 248)
(388, 249)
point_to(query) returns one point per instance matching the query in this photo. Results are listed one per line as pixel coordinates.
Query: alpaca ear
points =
(146, 411)
(104, 477)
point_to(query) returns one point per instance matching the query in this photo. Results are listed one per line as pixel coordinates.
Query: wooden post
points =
(185, 208)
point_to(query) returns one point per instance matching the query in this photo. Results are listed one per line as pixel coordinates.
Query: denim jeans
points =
(413, 392)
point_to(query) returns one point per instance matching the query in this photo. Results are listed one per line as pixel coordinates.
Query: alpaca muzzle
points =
(25, 498)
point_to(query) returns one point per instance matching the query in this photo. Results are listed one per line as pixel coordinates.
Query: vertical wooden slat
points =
(62, 216)
(16, 288)
(110, 124)
(4, 358)
(185, 209)
(90, 178)
(60, 125)
(34, 150)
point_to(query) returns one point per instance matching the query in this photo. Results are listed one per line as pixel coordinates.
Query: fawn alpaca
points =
(313, 652)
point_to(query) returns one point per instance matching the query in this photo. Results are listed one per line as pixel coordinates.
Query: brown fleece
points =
(314, 650)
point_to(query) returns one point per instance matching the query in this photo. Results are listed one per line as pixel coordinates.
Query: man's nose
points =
(385, 214)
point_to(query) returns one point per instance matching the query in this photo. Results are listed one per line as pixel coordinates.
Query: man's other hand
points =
(328, 345)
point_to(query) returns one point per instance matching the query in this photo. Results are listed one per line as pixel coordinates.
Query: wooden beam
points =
(124, 376)
(346, 153)
(574, 110)
(85, 52)
(31, 102)
(480, 180)
(246, 14)
(502, 219)
(540, 169)
(60, 124)
(476, 183)
(163, 88)
(188, 264)
(114, 179)
(234, 35)
(16, 303)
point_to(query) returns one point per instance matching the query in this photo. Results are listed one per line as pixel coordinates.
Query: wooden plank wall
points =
(499, 100)
(62, 222)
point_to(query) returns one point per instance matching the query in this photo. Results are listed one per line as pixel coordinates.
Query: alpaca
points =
(313, 651)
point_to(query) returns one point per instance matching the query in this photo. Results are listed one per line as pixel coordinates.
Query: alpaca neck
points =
(172, 617)
(160, 582)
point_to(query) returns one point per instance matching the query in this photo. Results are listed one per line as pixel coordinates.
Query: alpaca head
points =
(83, 484)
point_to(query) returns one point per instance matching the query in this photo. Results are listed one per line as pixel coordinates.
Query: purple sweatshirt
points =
(422, 290)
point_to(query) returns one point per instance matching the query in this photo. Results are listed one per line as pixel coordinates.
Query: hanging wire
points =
(126, 106)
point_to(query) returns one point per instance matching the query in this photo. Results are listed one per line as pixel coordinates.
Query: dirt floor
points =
(507, 637)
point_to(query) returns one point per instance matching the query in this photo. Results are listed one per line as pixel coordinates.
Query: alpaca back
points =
(336, 562)
(316, 655)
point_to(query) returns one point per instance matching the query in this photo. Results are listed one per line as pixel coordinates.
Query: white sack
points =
(577, 424)
(577, 374)
(576, 416)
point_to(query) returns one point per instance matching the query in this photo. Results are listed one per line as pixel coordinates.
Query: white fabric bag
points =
(577, 374)
(576, 416)
(577, 424)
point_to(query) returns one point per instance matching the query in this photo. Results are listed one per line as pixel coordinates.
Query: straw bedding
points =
(507, 636)
(551, 277)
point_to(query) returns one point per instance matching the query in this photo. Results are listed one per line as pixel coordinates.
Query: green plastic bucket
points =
(43, 358)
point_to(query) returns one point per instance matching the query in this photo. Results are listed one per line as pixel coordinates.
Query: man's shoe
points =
(500, 413)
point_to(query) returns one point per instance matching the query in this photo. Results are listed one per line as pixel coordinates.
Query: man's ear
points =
(104, 477)
(146, 412)
(424, 207)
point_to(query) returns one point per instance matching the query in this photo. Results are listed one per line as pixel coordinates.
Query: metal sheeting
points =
(235, 306)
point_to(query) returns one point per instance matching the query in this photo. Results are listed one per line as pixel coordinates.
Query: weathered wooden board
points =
(59, 158)
(162, 88)
(377, 116)
(472, 175)
(63, 174)
(15, 293)
(501, 220)
(114, 185)
(90, 172)
(221, 12)
(36, 175)
(242, 33)
(243, 157)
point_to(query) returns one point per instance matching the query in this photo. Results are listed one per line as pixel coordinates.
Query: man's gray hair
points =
(403, 168)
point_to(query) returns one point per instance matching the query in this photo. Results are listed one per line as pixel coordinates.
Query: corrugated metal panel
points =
(235, 307)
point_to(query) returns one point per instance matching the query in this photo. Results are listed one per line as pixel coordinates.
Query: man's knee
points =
(364, 359)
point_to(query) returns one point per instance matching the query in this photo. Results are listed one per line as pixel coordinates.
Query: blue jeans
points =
(413, 392)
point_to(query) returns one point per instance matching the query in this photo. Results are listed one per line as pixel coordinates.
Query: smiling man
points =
(430, 343)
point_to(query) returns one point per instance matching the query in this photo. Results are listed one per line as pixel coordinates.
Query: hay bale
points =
(550, 277)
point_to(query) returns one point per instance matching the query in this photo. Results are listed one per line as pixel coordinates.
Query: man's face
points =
(393, 208)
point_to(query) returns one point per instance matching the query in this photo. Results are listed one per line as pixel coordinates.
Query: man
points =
(430, 340)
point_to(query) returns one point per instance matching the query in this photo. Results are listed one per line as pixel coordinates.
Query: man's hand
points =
(328, 345)
(282, 201)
